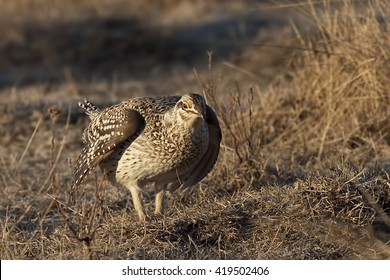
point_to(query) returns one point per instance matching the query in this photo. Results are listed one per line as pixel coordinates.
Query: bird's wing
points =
(206, 163)
(104, 133)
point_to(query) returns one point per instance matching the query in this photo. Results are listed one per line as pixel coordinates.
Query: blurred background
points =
(125, 47)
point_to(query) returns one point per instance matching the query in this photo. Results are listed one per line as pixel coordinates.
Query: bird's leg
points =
(159, 203)
(137, 201)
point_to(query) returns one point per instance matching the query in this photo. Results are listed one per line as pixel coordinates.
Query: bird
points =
(166, 142)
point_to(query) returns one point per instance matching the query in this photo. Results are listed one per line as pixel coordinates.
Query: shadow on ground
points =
(120, 48)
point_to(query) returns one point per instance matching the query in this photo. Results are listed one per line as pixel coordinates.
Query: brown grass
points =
(303, 171)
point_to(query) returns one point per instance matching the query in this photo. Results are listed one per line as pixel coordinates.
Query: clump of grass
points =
(336, 106)
(334, 111)
(84, 217)
(323, 129)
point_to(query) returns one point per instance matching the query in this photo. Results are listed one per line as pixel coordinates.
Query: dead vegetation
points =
(303, 172)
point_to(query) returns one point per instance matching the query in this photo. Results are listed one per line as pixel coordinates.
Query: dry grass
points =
(303, 172)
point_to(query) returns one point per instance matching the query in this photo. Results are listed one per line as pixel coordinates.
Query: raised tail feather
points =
(88, 107)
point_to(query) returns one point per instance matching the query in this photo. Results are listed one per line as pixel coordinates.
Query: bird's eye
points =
(184, 105)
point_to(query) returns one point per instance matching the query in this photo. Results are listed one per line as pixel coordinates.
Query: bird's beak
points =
(201, 115)
(199, 112)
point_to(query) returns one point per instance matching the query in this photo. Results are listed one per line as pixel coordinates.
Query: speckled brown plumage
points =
(166, 142)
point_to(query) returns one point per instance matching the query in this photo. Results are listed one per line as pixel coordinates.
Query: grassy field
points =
(300, 89)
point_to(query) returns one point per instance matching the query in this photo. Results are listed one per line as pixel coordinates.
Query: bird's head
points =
(190, 110)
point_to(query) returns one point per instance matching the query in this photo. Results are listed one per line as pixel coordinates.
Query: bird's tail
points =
(88, 107)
